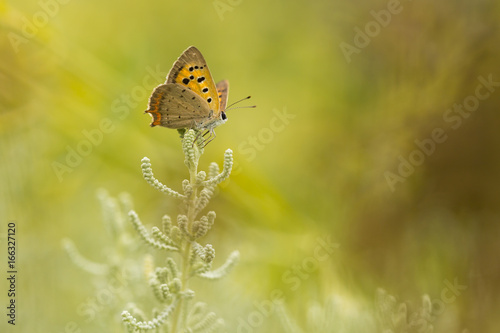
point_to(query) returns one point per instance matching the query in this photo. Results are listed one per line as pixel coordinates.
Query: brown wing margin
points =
(223, 92)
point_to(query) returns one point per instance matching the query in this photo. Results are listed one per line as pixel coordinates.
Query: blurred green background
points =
(339, 114)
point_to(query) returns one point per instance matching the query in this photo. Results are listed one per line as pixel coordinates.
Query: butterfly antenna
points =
(240, 107)
(241, 100)
(243, 107)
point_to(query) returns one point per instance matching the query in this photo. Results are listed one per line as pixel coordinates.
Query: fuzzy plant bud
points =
(208, 254)
(175, 234)
(166, 223)
(165, 292)
(162, 274)
(211, 218)
(213, 170)
(228, 165)
(185, 183)
(200, 177)
(161, 237)
(172, 268)
(175, 285)
(182, 222)
(224, 269)
(147, 173)
(201, 227)
(204, 198)
(141, 230)
(192, 152)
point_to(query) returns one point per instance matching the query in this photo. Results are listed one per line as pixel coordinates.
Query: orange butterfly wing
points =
(191, 71)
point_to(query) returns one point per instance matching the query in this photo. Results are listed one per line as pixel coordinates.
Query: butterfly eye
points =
(223, 114)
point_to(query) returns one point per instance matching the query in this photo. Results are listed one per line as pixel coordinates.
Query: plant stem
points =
(193, 171)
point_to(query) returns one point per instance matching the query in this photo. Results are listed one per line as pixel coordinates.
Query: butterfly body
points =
(189, 98)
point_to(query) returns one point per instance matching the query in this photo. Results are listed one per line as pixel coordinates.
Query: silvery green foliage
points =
(335, 315)
(122, 246)
(122, 264)
(395, 317)
(199, 319)
(341, 316)
(288, 323)
(169, 284)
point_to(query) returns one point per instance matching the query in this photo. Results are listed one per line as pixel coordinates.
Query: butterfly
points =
(189, 98)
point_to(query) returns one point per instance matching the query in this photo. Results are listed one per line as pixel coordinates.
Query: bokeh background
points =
(317, 160)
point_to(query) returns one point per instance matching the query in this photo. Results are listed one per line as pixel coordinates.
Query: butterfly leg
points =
(202, 134)
(204, 142)
(205, 139)
(198, 136)
(209, 138)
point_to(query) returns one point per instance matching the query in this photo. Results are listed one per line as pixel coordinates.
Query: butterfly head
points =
(213, 122)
